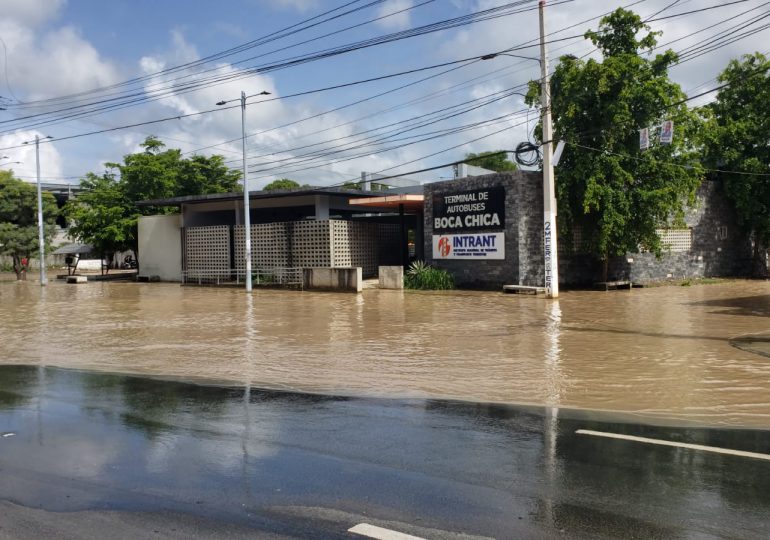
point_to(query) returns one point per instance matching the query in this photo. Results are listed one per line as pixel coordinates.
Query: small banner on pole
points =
(644, 139)
(667, 132)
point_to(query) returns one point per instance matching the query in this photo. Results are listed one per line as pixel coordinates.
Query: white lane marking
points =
(364, 529)
(662, 442)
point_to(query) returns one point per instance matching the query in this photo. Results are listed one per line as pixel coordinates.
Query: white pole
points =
(549, 190)
(246, 212)
(40, 230)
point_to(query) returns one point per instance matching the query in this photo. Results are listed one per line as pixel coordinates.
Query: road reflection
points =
(91, 440)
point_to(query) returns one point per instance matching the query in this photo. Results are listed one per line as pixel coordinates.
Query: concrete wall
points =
(523, 263)
(334, 279)
(160, 247)
(391, 277)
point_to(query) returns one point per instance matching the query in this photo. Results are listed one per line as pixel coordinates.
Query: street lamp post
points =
(40, 224)
(246, 212)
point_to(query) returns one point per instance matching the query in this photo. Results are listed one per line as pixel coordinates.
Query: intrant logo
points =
(444, 246)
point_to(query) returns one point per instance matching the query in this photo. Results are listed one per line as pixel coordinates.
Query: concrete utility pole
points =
(40, 230)
(246, 212)
(549, 188)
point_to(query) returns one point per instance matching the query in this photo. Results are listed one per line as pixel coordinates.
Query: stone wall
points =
(712, 254)
(523, 263)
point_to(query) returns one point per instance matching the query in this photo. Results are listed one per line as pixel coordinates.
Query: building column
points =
(321, 207)
(419, 240)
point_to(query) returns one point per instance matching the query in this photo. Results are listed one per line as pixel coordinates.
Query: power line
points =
(141, 97)
(654, 160)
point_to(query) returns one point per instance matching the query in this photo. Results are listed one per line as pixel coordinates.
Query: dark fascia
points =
(275, 194)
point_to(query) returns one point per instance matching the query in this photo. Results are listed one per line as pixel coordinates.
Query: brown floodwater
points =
(674, 353)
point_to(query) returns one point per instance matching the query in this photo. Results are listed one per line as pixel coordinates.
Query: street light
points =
(246, 215)
(495, 55)
(40, 230)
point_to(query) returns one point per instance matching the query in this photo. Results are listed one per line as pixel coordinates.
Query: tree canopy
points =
(282, 183)
(494, 161)
(738, 140)
(616, 193)
(105, 214)
(18, 220)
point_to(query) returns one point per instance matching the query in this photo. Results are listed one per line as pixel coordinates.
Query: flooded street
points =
(664, 353)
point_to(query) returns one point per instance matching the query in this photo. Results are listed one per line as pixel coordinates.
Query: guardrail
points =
(260, 277)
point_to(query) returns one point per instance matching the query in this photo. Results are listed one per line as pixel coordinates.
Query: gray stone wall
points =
(523, 263)
(710, 255)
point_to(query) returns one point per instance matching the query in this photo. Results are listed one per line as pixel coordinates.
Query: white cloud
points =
(296, 5)
(31, 13)
(399, 21)
(50, 158)
(48, 64)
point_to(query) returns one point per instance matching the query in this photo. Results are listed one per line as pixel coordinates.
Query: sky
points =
(62, 59)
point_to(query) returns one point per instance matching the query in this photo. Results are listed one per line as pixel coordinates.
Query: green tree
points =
(281, 183)
(18, 220)
(493, 161)
(201, 174)
(605, 184)
(738, 139)
(105, 215)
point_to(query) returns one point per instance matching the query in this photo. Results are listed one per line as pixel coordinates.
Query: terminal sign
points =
(478, 246)
(476, 210)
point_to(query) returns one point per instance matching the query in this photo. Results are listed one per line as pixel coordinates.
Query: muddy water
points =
(662, 352)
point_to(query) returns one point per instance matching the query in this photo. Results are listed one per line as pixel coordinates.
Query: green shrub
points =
(425, 277)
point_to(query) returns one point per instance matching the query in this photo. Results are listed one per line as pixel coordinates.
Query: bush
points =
(425, 277)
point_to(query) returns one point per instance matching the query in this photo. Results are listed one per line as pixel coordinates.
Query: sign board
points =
(464, 211)
(478, 246)
(644, 139)
(667, 132)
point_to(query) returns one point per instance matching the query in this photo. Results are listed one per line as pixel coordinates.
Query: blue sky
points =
(60, 47)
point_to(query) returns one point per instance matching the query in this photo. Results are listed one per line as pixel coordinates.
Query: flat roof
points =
(411, 201)
(273, 194)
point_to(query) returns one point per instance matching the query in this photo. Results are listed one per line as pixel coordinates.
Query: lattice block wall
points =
(675, 240)
(207, 249)
(389, 244)
(269, 247)
(361, 244)
(310, 244)
(303, 244)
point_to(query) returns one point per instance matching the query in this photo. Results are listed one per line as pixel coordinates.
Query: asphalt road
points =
(90, 455)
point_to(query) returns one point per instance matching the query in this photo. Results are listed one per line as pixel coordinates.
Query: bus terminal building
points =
(485, 230)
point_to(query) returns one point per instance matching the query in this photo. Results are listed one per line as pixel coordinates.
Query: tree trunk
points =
(18, 268)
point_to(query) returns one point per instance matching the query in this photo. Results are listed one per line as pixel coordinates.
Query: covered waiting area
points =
(73, 254)
(405, 203)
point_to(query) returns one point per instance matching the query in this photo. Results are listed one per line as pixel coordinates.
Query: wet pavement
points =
(686, 355)
(88, 455)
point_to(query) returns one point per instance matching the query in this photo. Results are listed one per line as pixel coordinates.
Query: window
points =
(722, 232)
(675, 240)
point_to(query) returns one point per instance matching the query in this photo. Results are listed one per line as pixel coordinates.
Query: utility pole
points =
(246, 212)
(549, 188)
(40, 230)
